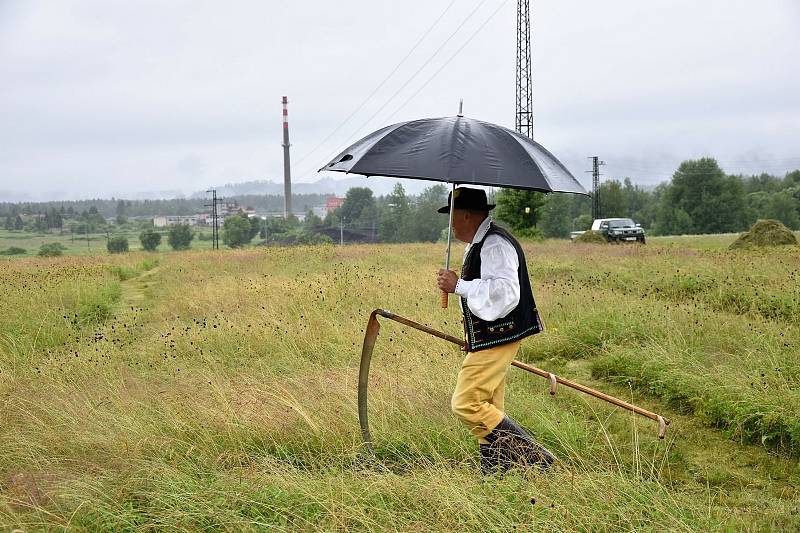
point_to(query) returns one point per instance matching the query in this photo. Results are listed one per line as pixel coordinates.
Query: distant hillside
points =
(173, 206)
(324, 186)
(327, 185)
(264, 196)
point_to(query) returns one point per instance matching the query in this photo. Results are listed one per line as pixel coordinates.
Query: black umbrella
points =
(457, 150)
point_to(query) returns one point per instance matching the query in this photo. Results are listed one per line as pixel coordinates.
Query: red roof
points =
(332, 203)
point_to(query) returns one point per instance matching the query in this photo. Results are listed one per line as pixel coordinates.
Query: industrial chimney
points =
(287, 173)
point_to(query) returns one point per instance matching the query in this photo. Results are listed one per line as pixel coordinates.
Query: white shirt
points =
(496, 292)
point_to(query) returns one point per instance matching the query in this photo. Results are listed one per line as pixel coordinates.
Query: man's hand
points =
(447, 280)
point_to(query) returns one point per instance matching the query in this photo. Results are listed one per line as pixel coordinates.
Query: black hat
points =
(468, 198)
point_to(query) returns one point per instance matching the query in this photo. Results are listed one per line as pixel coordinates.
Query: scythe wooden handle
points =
(444, 300)
(371, 336)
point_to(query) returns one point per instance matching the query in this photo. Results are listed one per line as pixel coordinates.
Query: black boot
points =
(515, 445)
(493, 461)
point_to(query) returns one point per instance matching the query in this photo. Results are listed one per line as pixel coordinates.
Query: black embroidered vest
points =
(521, 322)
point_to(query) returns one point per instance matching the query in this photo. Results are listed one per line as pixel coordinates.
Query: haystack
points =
(594, 237)
(765, 233)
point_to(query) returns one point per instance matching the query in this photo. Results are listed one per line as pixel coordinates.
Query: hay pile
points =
(765, 233)
(590, 236)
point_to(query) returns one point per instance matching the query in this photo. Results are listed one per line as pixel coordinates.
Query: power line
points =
(733, 161)
(449, 60)
(410, 79)
(379, 86)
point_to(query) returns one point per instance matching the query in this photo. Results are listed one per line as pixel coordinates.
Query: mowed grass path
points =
(216, 390)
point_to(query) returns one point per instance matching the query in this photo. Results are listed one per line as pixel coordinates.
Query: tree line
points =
(699, 198)
(362, 217)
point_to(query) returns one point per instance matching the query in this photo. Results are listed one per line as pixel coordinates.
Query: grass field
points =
(207, 390)
(78, 245)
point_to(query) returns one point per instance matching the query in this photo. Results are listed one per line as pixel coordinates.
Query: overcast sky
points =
(117, 97)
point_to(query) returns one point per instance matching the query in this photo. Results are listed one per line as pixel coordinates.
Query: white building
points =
(174, 220)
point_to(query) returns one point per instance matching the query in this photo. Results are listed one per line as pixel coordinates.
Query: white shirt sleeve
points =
(496, 292)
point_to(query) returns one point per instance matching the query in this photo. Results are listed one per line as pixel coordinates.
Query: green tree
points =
(785, 207)
(180, 237)
(9, 225)
(117, 244)
(359, 207)
(673, 221)
(39, 225)
(53, 219)
(426, 223)
(395, 223)
(582, 222)
(612, 200)
(121, 218)
(19, 224)
(762, 183)
(641, 204)
(519, 209)
(256, 226)
(52, 249)
(150, 239)
(14, 250)
(94, 218)
(278, 228)
(312, 222)
(236, 232)
(555, 216)
(701, 196)
(792, 179)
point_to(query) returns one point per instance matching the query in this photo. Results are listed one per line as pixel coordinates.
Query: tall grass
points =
(225, 400)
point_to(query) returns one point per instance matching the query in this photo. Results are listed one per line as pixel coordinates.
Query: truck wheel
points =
(641, 240)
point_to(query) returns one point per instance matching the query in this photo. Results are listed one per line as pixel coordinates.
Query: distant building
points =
(321, 211)
(333, 203)
(224, 209)
(174, 220)
(231, 207)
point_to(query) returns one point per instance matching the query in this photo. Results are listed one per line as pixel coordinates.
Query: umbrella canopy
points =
(457, 150)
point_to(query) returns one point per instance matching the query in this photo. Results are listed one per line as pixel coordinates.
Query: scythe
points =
(371, 336)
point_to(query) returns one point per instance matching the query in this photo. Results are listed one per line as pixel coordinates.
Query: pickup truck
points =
(616, 230)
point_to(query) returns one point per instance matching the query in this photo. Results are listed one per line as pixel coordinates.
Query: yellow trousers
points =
(478, 398)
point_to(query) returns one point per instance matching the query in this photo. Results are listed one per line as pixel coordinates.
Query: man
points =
(499, 311)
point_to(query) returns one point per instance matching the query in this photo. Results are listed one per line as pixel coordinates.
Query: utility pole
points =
(287, 173)
(341, 232)
(596, 164)
(214, 224)
(523, 122)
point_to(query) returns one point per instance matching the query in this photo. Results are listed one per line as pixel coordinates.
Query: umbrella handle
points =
(449, 238)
